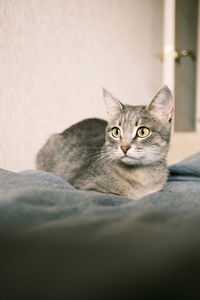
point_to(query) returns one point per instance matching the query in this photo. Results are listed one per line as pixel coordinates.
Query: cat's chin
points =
(129, 160)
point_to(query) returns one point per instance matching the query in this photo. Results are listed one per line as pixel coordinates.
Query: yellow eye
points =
(143, 132)
(116, 132)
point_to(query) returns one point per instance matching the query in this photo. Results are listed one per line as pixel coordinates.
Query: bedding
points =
(57, 242)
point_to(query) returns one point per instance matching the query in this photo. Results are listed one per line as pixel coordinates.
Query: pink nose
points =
(125, 149)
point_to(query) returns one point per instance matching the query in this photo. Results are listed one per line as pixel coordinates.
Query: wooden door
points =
(185, 66)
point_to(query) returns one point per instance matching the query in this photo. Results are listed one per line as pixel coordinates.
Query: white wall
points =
(55, 56)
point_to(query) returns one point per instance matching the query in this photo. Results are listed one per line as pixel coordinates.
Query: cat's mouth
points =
(130, 157)
(127, 157)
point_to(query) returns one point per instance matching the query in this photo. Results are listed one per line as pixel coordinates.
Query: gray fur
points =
(90, 158)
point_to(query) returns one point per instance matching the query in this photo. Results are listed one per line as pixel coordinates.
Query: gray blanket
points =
(34, 199)
(57, 242)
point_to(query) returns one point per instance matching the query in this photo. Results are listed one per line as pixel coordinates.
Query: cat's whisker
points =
(106, 157)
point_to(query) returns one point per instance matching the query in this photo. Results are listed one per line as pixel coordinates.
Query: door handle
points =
(184, 53)
(177, 54)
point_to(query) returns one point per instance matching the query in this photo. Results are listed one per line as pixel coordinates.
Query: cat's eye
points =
(116, 132)
(143, 132)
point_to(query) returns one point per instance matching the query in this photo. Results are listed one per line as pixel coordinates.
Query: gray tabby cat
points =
(124, 156)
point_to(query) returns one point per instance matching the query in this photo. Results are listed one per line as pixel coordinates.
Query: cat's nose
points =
(125, 148)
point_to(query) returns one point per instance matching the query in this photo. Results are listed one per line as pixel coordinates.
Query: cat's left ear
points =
(162, 105)
(113, 105)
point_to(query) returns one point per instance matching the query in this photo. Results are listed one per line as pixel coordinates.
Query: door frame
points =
(169, 44)
(198, 74)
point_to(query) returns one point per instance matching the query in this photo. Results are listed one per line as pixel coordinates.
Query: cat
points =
(124, 156)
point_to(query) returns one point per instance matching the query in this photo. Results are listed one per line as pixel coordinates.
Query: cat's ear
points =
(113, 105)
(162, 104)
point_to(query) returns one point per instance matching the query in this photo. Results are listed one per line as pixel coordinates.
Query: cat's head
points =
(139, 135)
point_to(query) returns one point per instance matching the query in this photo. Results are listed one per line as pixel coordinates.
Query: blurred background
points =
(56, 55)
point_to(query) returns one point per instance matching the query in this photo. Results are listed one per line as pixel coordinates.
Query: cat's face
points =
(139, 135)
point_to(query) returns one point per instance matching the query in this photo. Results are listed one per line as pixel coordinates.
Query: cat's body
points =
(114, 156)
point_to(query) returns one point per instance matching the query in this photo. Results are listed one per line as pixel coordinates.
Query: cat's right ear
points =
(162, 105)
(113, 105)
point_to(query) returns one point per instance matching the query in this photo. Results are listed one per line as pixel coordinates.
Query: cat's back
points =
(66, 152)
(86, 131)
